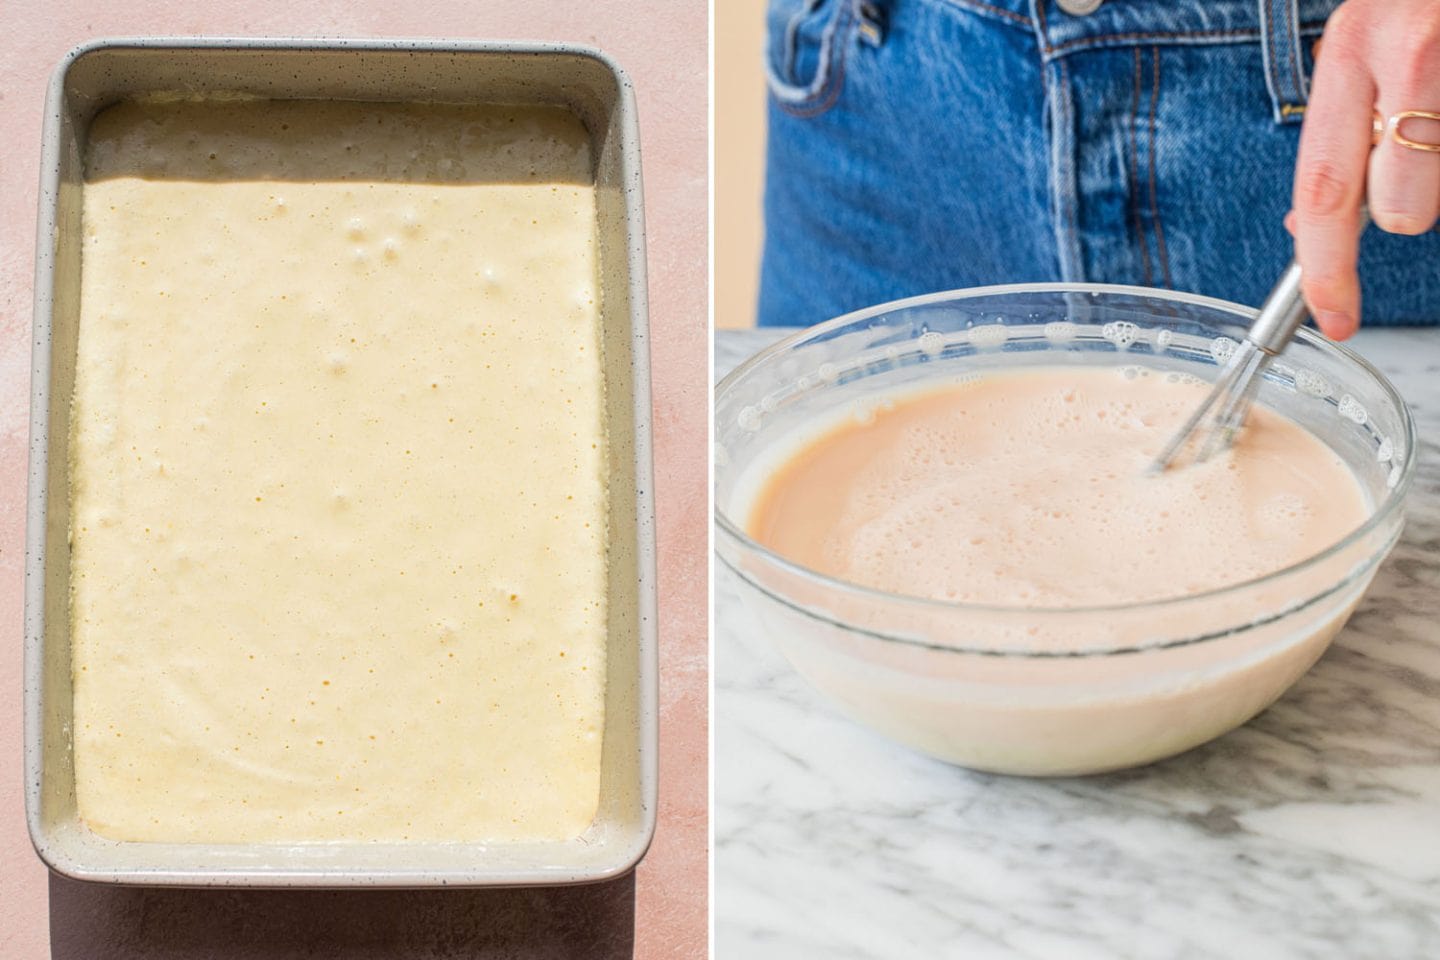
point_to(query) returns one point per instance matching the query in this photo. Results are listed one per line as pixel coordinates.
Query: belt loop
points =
(873, 21)
(1284, 68)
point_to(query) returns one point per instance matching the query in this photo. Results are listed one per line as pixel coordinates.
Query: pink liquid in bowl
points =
(1028, 490)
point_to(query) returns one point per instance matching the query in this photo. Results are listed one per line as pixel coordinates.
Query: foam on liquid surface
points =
(1030, 489)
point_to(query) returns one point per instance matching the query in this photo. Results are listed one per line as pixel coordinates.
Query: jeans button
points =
(1079, 8)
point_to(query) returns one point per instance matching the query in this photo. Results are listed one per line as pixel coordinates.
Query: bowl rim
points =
(1394, 498)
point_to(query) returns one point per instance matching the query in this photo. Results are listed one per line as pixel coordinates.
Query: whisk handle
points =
(1283, 312)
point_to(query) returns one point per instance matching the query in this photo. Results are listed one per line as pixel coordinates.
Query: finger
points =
(1330, 178)
(1290, 223)
(1405, 182)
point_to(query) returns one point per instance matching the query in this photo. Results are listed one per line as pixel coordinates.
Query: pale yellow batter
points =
(338, 475)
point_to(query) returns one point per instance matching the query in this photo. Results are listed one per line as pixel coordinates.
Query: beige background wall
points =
(739, 157)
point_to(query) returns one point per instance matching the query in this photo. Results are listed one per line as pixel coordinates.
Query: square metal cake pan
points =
(581, 79)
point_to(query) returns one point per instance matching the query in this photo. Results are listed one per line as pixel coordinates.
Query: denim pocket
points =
(805, 55)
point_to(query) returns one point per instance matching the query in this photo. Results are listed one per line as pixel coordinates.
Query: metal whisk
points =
(1280, 316)
(1234, 392)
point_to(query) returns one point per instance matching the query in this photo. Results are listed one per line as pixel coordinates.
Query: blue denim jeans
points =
(921, 145)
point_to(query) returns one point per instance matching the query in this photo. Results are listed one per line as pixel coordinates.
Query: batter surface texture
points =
(338, 475)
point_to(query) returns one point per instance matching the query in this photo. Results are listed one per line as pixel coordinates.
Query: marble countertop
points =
(1311, 832)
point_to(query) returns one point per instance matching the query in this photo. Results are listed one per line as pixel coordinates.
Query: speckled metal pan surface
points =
(584, 80)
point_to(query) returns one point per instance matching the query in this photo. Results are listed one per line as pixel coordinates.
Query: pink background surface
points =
(658, 912)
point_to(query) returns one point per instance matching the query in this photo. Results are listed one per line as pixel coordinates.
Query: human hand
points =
(1380, 58)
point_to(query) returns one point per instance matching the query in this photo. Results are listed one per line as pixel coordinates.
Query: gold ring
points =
(1377, 128)
(1398, 119)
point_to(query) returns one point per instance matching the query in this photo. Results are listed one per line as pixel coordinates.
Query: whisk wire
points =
(1250, 363)
(1229, 404)
(1235, 389)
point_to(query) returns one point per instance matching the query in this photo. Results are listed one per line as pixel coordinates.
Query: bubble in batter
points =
(931, 343)
(989, 335)
(1122, 333)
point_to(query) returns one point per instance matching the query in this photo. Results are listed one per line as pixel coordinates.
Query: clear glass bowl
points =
(1067, 691)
